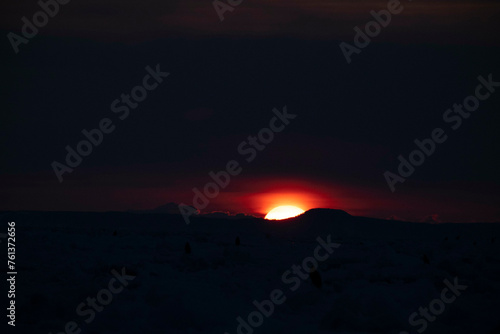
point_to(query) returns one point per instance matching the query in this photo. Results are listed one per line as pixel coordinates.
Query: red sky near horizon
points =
(249, 195)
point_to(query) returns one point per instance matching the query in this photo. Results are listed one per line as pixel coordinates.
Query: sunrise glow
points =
(283, 212)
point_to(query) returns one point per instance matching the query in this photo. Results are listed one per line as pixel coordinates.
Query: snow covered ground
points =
(380, 274)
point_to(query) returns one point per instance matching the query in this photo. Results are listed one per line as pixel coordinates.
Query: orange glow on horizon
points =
(287, 193)
(284, 212)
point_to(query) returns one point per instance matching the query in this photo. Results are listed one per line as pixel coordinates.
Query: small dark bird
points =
(475, 243)
(237, 242)
(446, 239)
(425, 259)
(187, 248)
(315, 278)
(268, 236)
(115, 233)
(458, 237)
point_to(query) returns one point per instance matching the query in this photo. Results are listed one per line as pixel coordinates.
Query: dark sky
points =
(353, 122)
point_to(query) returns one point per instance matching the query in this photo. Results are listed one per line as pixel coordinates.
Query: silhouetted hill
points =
(169, 208)
(321, 213)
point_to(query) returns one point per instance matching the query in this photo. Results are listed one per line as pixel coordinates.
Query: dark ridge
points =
(325, 214)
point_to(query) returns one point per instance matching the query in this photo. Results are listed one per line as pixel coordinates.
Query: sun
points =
(283, 212)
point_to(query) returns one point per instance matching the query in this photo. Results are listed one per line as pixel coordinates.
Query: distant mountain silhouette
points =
(170, 208)
(317, 219)
(325, 214)
(318, 222)
(225, 215)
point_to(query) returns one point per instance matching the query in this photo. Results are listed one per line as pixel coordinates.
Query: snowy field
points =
(378, 274)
